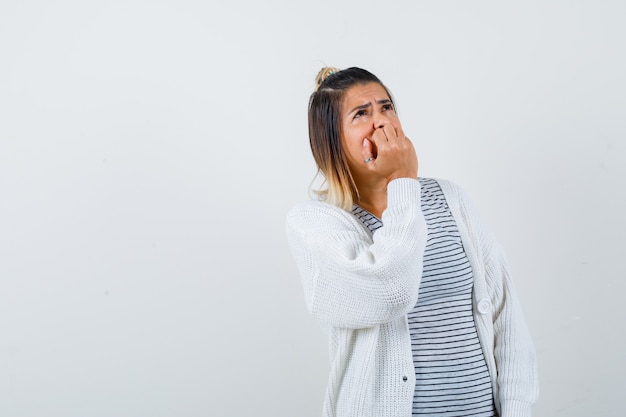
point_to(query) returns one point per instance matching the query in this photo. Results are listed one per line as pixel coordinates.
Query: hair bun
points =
(323, 74)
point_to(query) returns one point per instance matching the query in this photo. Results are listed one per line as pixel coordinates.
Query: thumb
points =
(366, 151)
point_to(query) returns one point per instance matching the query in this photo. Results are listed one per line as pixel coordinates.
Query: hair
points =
(325, 131)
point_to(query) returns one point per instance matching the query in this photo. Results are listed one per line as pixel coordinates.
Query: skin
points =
(371, 128)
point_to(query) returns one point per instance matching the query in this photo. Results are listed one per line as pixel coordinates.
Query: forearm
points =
(352, 280)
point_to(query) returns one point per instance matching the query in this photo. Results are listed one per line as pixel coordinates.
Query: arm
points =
(349, 279)
(513, 348)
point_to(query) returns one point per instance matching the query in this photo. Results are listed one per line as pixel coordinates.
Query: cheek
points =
(352, 143)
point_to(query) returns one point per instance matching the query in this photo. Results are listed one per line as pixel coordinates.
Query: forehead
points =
(365, 93)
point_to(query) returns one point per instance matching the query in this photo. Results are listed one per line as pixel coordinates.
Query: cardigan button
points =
(404, 378)
(484, 306)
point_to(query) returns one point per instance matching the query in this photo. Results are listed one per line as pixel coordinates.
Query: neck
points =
(373, 197)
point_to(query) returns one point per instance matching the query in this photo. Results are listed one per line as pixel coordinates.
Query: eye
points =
(360, 113)
(387, 107)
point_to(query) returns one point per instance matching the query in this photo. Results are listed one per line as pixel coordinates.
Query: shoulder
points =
(450, 189)
(318, 215)
(459, 202)
(466, 214)
(453, 193)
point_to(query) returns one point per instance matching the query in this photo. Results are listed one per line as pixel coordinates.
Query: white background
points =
(149, 151)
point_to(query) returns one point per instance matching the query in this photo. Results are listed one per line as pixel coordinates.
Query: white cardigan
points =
(361, 288)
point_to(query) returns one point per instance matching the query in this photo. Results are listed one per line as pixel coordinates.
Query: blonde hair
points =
(322, 75)
(325, 132)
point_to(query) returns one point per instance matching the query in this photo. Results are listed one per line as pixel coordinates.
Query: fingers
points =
(379, 137)
(372, 146)
(400, 133)
(388, 149)
(379, 142)
(367, 152)
(389, 153)
(390, 132)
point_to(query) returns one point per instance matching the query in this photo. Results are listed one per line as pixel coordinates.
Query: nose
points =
(380, 120)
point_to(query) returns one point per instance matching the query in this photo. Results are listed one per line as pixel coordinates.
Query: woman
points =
(415, 294)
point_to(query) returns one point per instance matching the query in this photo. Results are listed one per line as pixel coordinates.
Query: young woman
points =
(415, 293)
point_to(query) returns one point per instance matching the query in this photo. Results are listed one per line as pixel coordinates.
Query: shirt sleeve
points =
(350, 279)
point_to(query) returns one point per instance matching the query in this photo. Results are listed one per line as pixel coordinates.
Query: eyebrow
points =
(368, 105)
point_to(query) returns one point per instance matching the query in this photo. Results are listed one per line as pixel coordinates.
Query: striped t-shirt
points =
(452, 379)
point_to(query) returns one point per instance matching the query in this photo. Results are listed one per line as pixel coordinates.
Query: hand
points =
(390, 154)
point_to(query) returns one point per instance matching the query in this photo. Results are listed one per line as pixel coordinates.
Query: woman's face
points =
(365, 108)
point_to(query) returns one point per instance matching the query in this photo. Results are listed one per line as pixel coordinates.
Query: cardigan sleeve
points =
(514, 352)
(353, 280)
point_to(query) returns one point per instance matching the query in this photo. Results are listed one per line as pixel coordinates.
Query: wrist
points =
(406, 174)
